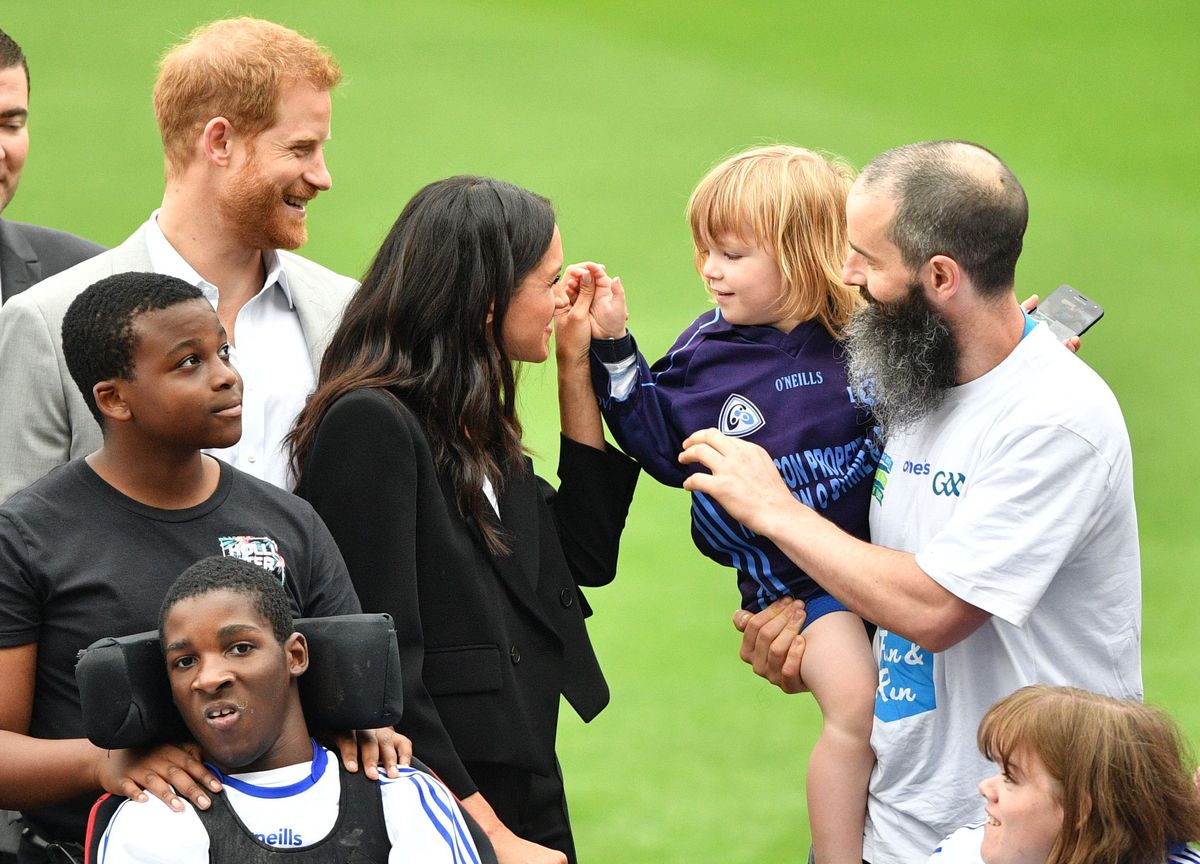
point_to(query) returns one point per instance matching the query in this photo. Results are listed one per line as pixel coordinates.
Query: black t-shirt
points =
(80, 561)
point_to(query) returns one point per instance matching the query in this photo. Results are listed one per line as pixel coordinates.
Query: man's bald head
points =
(237, 69)
(956, 199)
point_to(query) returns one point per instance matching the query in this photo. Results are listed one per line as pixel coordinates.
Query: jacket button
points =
(566, 598)
(514, 654)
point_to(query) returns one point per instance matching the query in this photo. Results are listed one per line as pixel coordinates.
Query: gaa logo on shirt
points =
(262, 551)
(740, 417)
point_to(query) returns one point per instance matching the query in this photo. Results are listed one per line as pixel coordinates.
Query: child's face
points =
(231, 680)
(745, 281)
(1024, 816)
(184, 389)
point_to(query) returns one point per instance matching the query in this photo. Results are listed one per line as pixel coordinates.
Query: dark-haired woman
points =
(410, 449)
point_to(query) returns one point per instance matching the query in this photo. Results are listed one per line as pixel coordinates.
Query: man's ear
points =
(945, 279)
(110, 399)
(296, 648)
(218, 141)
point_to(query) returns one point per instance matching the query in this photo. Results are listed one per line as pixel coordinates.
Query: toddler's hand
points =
(609, 312)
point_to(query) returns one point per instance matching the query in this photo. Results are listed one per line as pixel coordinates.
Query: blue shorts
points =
(820, 604)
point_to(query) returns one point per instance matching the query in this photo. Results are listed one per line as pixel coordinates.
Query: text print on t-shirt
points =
(905, 679)
(262, 551)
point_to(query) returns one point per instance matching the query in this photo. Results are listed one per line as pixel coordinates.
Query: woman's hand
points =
(573, 326)
(606, 305)
(579, 413)
(166, 771)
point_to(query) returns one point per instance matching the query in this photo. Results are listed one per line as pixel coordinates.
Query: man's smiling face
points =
(280, 171)
(14, 131)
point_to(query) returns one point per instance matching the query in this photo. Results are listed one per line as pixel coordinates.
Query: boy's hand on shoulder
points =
(167, 771)
(383, 747)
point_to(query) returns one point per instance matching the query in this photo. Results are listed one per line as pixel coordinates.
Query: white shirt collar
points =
(165, 259)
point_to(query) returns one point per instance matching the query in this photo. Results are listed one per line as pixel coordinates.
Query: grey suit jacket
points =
(43, 418)
(31, 253)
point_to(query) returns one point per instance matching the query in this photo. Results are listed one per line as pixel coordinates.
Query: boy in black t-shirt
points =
(90, 549)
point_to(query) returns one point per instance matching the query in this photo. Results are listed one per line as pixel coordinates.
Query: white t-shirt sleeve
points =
(961, 847)
(150, 832)
(424, 822)
(1019, 518)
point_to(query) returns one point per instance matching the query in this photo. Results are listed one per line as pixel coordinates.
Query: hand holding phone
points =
(1067, 312)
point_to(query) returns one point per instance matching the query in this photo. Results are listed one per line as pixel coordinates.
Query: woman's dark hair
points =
(418, 327)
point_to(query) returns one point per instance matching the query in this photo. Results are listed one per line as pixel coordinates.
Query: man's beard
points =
(254, 206)
(902, 359)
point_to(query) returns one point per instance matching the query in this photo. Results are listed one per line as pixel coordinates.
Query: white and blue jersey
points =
(291, 808)
(962, 847)
(786, 392)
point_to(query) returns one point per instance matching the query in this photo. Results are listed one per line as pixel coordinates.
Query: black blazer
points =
(31, 253)
(487, 645)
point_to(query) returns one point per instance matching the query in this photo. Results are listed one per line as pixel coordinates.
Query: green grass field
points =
(614, 110)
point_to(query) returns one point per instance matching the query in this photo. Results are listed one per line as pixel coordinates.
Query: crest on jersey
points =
(740, 417)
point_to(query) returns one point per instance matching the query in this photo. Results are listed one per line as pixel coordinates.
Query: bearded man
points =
(244, 107)
(1005, 547)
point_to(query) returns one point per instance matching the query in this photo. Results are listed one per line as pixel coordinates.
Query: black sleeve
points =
(330, 591)
(365, 477)
(590, 506)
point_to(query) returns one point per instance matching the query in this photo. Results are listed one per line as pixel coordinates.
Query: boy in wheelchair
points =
(233, 661)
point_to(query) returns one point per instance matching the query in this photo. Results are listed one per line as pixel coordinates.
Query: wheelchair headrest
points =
(352, 682)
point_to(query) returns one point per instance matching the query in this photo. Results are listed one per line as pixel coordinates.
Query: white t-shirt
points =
(1016, 495)
(422, 818)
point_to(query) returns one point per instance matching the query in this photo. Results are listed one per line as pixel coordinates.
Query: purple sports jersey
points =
(786, 392)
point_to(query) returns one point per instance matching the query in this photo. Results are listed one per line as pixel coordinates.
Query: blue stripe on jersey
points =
(319, 761)
(712, 537)
(764, 595)
(707, 530)
(458, 844)
(1182, 854)
(108, 830)
(772, 585)
(716, 316)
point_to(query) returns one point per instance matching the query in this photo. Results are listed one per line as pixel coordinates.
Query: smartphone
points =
(1067, 312)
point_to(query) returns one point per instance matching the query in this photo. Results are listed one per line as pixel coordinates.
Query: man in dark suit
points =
(28, 253)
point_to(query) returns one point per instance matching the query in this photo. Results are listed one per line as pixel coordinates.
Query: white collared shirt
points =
(271, 354)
